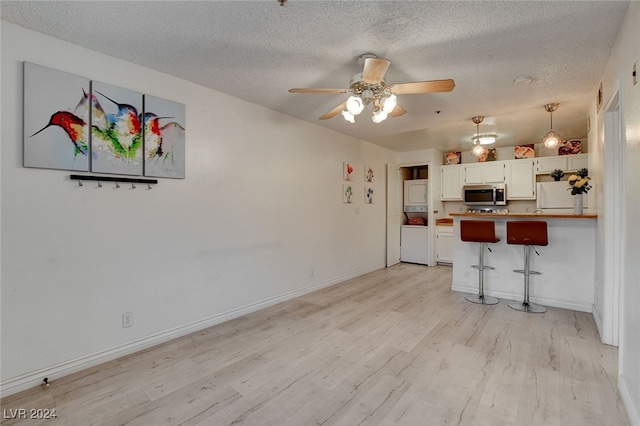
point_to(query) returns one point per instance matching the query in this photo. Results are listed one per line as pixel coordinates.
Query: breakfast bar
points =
(567, 263)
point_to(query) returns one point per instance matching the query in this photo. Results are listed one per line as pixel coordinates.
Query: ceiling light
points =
(355, 105)
(348, 116)
(477, 150)
(379, 116)
(478, 139)
(388, 104)
(551, 139)
(523, 79)
(484, 139)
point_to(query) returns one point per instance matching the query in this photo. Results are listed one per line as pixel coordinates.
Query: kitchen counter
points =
(567, 264)
(530, 215)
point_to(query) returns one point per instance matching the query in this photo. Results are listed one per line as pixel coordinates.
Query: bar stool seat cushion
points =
(527, 232)
(478, 231)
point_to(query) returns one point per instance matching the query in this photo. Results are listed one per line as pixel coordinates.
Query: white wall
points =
(260, 209)
(617, 76)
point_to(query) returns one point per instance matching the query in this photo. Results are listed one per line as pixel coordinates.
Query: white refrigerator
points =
(555, 197)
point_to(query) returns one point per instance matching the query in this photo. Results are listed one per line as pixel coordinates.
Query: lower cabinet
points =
(444, 244)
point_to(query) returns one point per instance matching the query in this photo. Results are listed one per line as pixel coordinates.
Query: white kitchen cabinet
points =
(444, 244)
(488, 172)
(416, 192)
(566, 163)
(451, 182)
(577, 162)
(521, 179)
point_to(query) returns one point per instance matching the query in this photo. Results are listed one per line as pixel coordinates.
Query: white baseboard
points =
(564, 304)
(34, 378)
(632, 411)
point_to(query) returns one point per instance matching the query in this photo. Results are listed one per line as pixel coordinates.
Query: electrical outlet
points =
(127, 319)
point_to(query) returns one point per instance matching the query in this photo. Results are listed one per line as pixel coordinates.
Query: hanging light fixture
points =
(477, 149)
(552, 139)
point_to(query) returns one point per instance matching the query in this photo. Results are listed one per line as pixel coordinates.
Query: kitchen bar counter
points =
(530, 215)
(566, 264)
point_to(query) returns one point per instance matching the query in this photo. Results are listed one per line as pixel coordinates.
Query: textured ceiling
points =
(257, 50)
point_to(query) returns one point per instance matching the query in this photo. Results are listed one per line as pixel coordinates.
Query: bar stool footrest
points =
(522, 271)
(482, 300)
(528, 307)
(485, 268)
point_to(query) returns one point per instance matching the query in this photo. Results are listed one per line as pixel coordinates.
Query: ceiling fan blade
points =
(398, 111)
(334, 111)
(303, 90)
(423, 87)
(374, 70)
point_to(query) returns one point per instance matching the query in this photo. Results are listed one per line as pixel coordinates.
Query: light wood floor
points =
(392, 347)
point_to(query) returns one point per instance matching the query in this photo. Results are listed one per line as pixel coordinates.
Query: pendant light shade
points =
(551, 140)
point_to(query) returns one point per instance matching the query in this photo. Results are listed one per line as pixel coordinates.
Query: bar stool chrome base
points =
(482, 300)
(532, 308)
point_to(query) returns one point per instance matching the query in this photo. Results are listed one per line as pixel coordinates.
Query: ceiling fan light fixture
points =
(348, 116)
(379, 116)
(355, 105)
(389, 103)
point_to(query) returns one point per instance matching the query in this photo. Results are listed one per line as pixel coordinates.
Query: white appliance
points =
(416, 192)
(414, 244)
(555, 197)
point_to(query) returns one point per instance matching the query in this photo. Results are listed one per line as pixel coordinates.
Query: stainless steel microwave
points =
(485, 195)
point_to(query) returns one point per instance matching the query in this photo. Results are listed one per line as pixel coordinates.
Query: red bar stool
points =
(483, 232)
(528, 234)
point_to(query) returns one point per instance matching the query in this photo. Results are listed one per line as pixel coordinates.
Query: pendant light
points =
(477, 149)
(551, 140)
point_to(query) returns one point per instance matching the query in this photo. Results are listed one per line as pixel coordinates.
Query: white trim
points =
(634, 416)
(564, 304)
(34, 378)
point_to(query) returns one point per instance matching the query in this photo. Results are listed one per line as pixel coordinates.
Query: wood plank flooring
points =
(394, 347)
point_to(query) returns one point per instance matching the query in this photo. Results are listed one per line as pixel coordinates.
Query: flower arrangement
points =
(557, 174)
(579, 183)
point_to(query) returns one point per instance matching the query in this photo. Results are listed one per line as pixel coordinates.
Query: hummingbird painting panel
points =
(56, 119)
(116, 130)
(164, 128)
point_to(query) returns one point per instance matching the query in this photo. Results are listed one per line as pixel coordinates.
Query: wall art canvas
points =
(570, 147)
(56, 119)
(453, 157)
(524, 151)
(347, 170)
(116, 130)
(368, 173)
(163, 129)
(368, 194)
(489, 154)
(347, 193)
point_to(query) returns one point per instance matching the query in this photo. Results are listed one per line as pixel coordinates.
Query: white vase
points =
(577, 204)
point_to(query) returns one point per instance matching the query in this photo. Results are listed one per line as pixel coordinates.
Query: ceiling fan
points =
(370, 88)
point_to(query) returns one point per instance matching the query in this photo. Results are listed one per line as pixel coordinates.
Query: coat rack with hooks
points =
(117, 180)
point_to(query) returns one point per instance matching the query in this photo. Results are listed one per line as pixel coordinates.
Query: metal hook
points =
(117, 185)
(133, 185)
(80, 183)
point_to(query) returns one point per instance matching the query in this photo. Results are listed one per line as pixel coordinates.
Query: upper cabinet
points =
(521, 179)
(566, 163)
(491, 172)
(452, 180)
